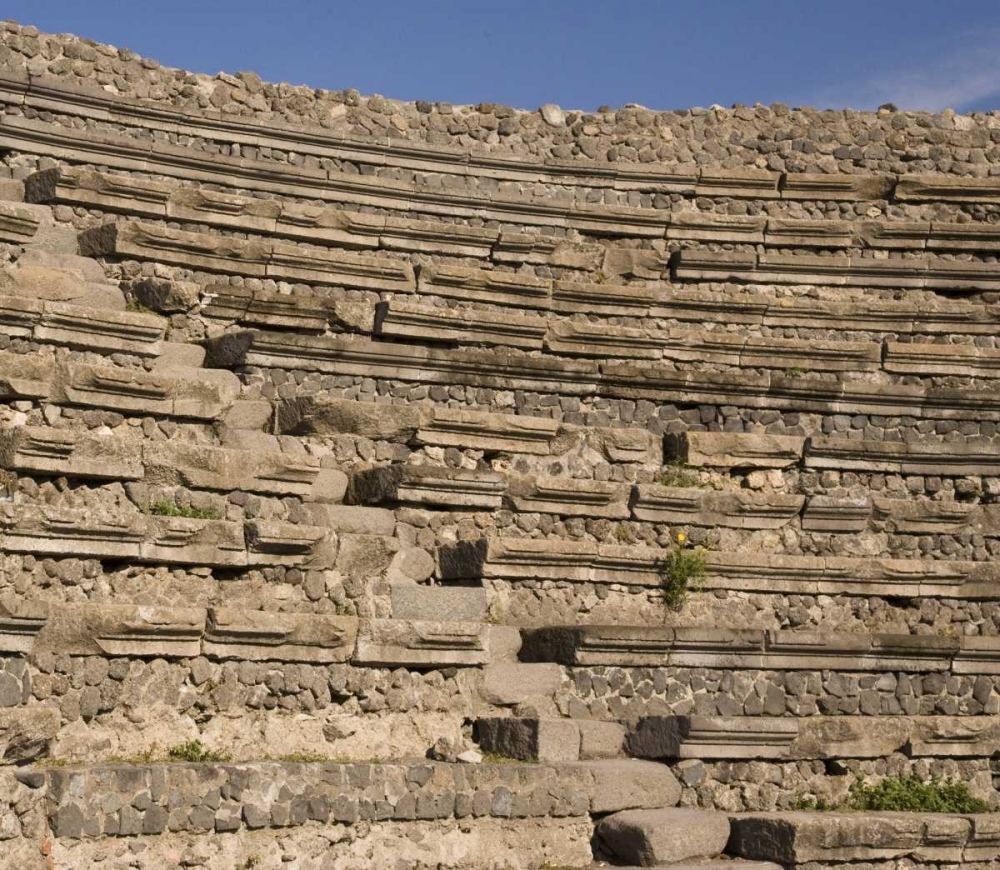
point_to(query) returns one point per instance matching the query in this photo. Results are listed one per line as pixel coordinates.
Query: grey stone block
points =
(651, 837)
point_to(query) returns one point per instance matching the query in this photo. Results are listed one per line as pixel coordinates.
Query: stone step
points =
(651, 838)
(655, 381)
(774, 649)
(522, 559)
(35, 627)
(737, 738)
(182, 392)
(917, 272)
(729, 450)
(795, 839)
(722, 863)
(493, 433)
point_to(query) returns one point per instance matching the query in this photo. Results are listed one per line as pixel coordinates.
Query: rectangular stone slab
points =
(417, 644)
(460, 488)
(250, 635)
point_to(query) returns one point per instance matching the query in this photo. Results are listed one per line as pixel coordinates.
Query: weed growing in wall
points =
(682, 571)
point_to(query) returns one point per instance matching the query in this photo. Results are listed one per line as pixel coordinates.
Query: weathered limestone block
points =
(492, 433)
(544, 740)
(623, 445)
(895, 235)
(461, 326)
(824, 513)
(41, 274)
(203, 206)
(20, 623)
(711, 737)
(18, 223)
(497, 369)
(842, 187)
(697, 264)
(574, 338)
(928, 517)
(786, 233)
(272, 542)
(963, 237)
(261, 258)
(735, 450)
(650, 838)
(25, 376)
(739, 509)
(709, 227)
(100, 330)
(427, 603)
(519, 559)
(320, 414)
(508, 683)
(63, 532)
(417, 644)
(69, 453)
(820, 650)
(739, 182)
(20, 315)
(428, 485)
(267, 309)
(568, 497)
(478, 285)
(943, 458)
(26, 734)
(102, 190)
(941, 359)
(514, 247)
(181, 393)
(796, 838)
(191, 541)
(614, 785)
(133, 630)
(944, 188)
(606, 300)
(200, 466)
(251, 635)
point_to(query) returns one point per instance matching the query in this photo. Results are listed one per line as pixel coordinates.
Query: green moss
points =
(166, 508)
(134, 304)
(682, 571)
(811, 804)
(193, 750)
(676, 473)
(912, 794)
(793, 372)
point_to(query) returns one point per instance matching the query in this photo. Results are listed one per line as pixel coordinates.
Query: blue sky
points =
(919, 54)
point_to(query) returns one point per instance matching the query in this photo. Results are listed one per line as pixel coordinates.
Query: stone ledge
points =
(796, 838)
(764, 649)
(127, 800)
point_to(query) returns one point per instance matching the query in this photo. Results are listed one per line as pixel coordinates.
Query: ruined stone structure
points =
(358, 441)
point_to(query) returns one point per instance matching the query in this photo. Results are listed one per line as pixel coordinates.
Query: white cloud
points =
(961, 74)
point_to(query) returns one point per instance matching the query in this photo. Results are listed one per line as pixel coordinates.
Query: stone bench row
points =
(765, 649)
(139, 197)
(186, 393)
(75, 454)
(464, 428)
(480, 489)
(915, 273)
(81, 327)
(129, 800)
(879, 839)
(117, 535)
(538, 559)
(51, 94)
(739, 450)
(154, 631)
(505, 369)
(739, 738)
(403, 320)
(929, 315)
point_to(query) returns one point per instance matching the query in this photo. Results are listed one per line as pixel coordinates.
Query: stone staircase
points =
(342, 473)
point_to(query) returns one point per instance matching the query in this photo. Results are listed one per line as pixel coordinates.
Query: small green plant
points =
(912, 794)
(682, 571)
(820, 804)
(494, 758)
(304, 757)
(793, 372)
(676, 473)
(623, 534)
(135, 305)
(146, 756)
(194, 750)
(167, 508)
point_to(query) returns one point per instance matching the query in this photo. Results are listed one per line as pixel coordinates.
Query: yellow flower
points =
(681, 538)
